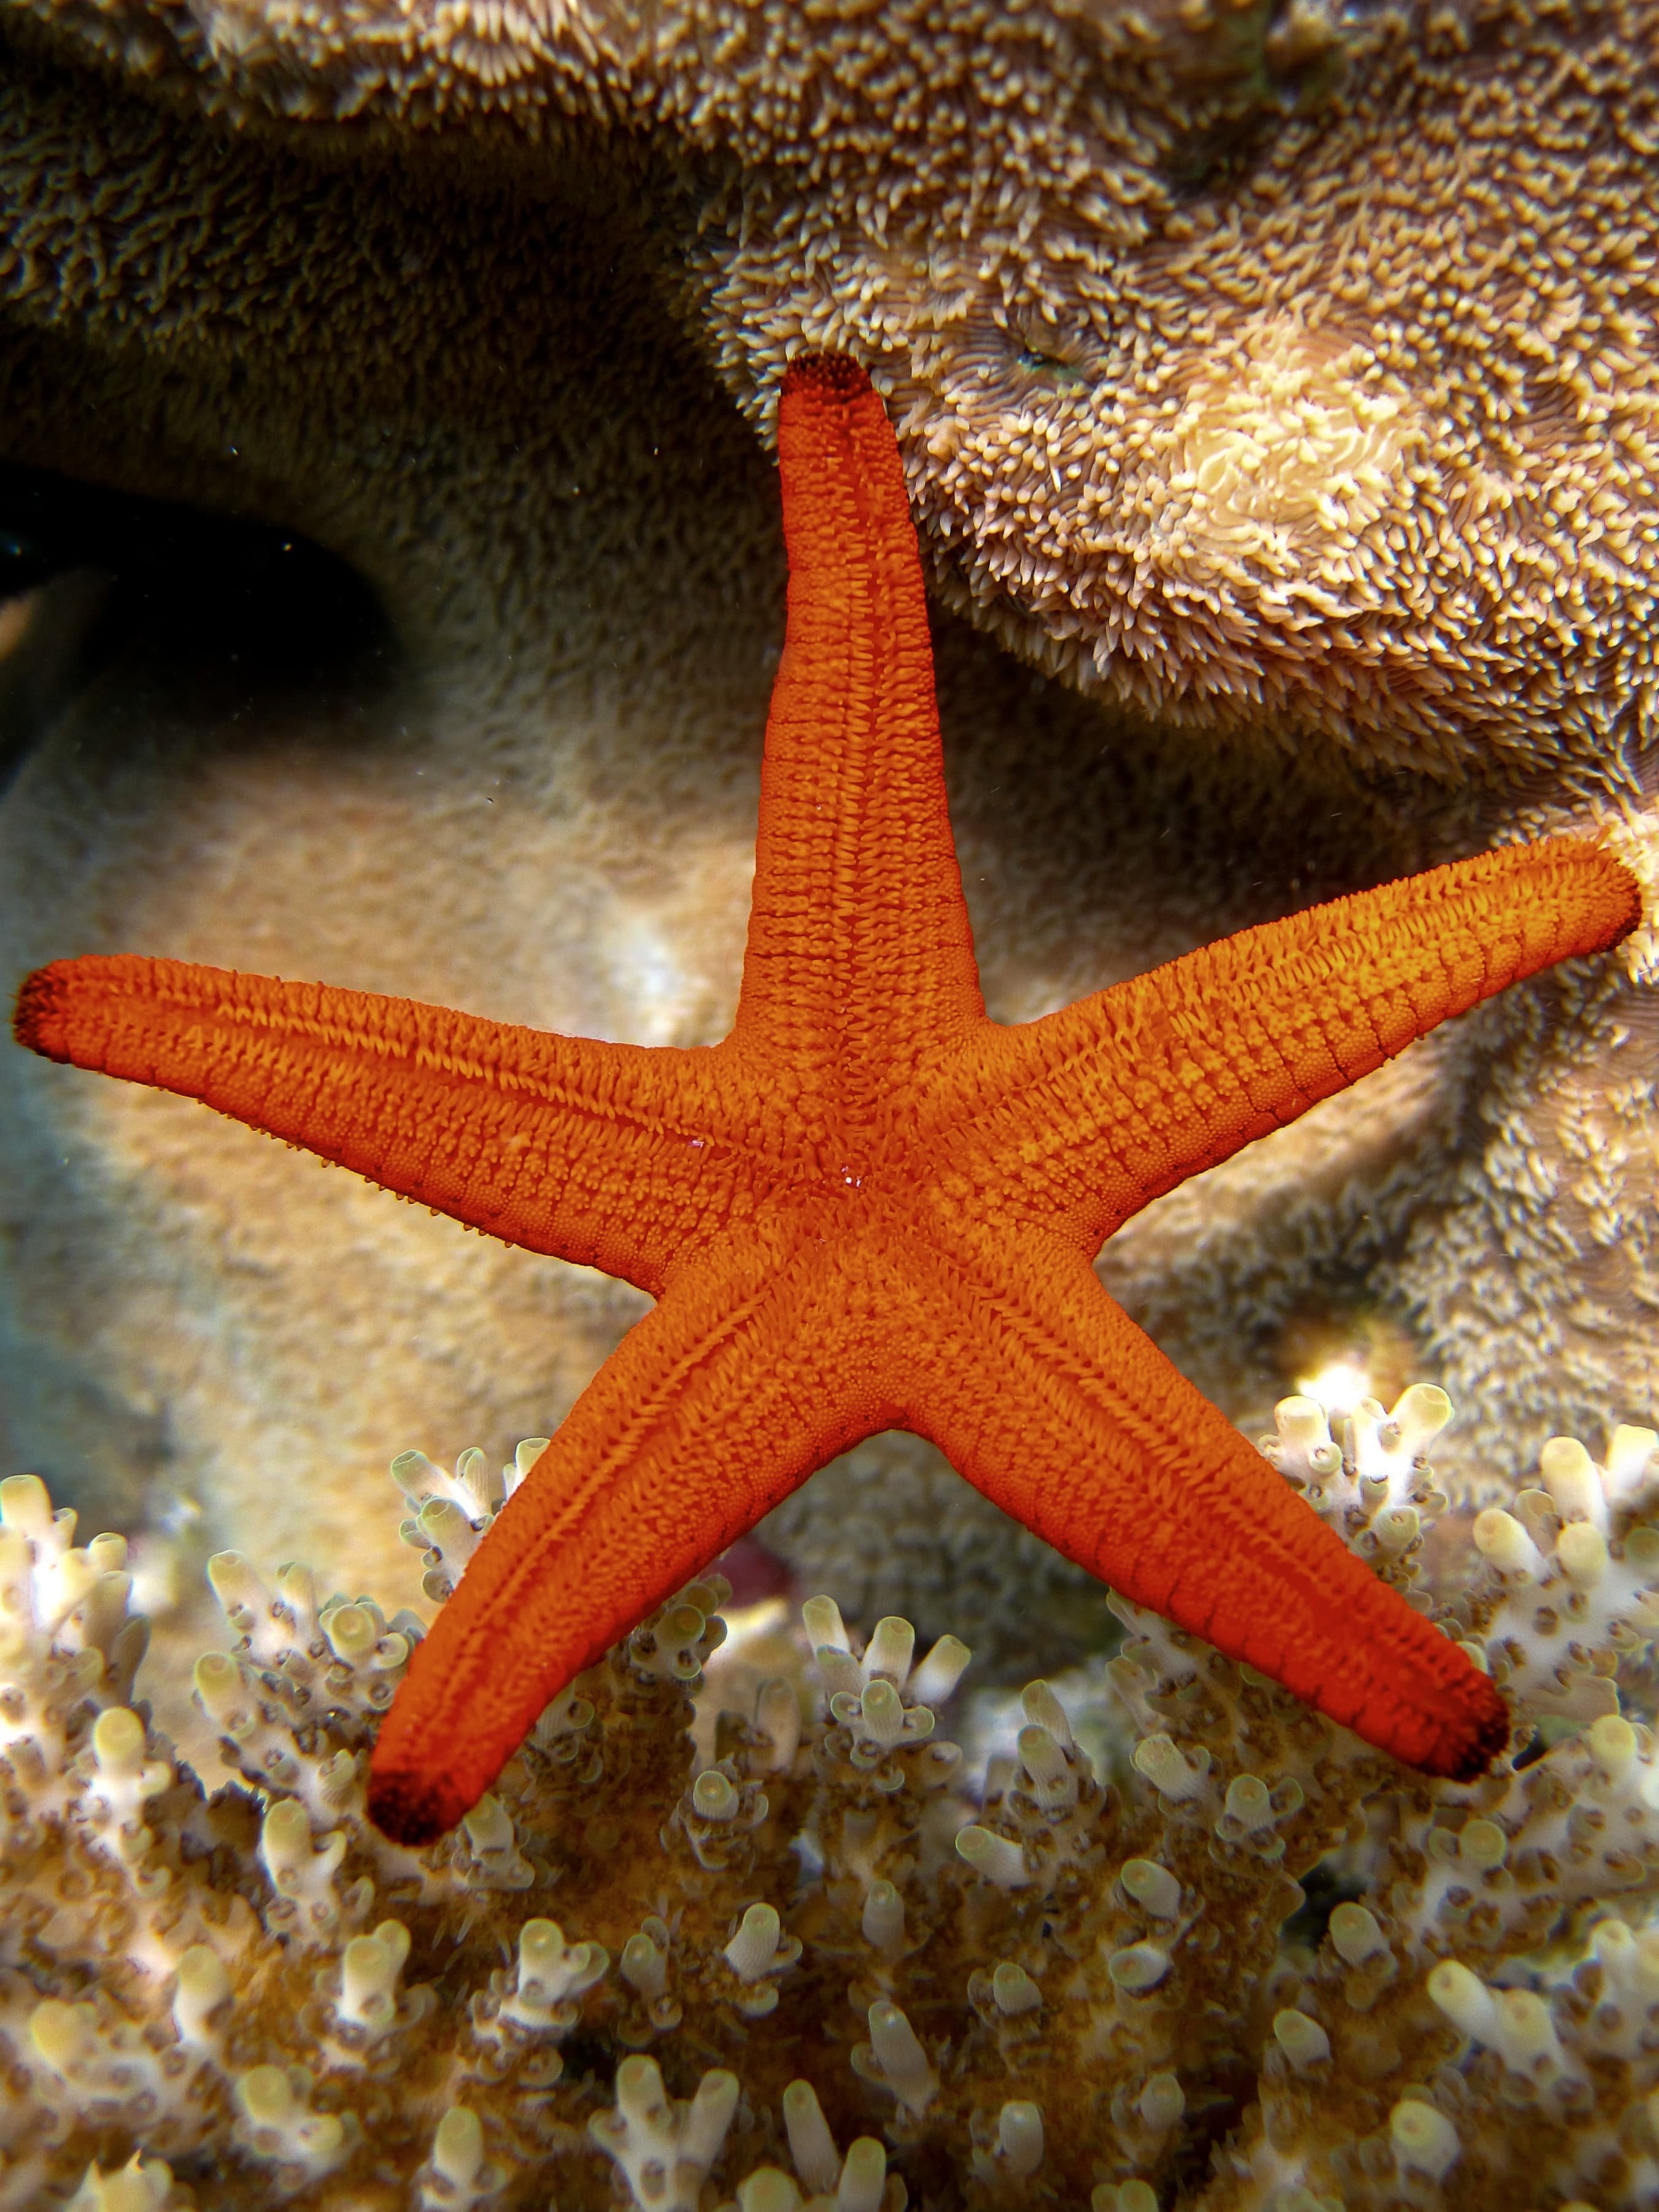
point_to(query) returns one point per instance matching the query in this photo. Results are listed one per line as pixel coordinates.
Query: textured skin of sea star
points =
(870, 1208)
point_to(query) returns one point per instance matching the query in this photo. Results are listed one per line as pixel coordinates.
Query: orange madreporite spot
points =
(871, 1206)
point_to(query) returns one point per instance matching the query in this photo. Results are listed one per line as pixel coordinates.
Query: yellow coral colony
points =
(810, 1955)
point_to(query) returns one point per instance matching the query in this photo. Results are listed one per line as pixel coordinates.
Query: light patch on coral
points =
(1283, 458)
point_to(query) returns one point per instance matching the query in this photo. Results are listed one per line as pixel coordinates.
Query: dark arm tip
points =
(414, 1809)
(38, 1018)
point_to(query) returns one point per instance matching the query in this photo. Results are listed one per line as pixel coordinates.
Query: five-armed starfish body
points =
(871, 1207)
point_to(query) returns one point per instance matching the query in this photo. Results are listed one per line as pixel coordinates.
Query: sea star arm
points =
(605, 1154)
(860, 959)
(1116, 1099)
(743, 1380)
(1049, 1399)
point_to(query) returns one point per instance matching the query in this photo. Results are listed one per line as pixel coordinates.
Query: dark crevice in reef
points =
(89, 575)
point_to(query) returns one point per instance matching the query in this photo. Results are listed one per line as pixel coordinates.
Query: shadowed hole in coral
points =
(89, 575)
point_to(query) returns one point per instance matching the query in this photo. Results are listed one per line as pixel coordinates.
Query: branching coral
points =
(1245, 1962)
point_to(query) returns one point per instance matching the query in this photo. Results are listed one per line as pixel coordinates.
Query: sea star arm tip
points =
(1155, 1079)
(608, 1155)
(744, 1379)
(1042, 1391)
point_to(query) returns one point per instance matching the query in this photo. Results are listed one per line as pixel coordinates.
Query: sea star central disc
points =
(871, 1206)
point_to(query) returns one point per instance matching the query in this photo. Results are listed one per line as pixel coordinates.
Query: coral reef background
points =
(740, 1925)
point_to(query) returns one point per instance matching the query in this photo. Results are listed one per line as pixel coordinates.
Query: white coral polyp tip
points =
(1483, 1844)
(1302, 1423)
(1044, 1709)
(883, 1716)
(204, 1984)
(417, 1476)
(1013, 1990)
(714, 1797)
(64, 2035)
(549, 1972)
(117, 1742)
(1571, 1478)
(369, 1967)
(863, 2177)
(826, 1630)
(1465, 2000)
(768, 2189)
(883, 1922)
(1161, 2102)
(1397, 1528)
(936, 1677)
(1527, 2041)
(458, 2148)
(1019, 2137)
(236, 1586)
(812, 2146)
(1138, 1967)
(755, 1946)
(903, 2062)
(665, 2149)
(1356, 1934)
(1630, 1463)
(353, 1631)
(276, 2100)
(489, 1826)
(458, 2177)
(994, 1858)
(708, 2117)
(892, 1647)
(1505, 1544)
(644, 1968)
(142, 2185)
(526, 1453)
(1583, 1551)
(1420, 1414)
(1424, 2140)
(1302, 2039)
(1042, 1757)
(1250, 1802)
(1160, 1760)
(1613, 1744)
(1153, 1888)
(26, 1507)
(1124, 2196)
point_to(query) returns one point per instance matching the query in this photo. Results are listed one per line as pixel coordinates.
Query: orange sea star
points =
(871, 1206)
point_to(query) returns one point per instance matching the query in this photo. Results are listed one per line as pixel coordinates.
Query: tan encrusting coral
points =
(1251, 361)
(808, 1956)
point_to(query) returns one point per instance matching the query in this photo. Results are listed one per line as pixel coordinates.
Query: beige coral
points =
(1027, 1976)
(1248, 358)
